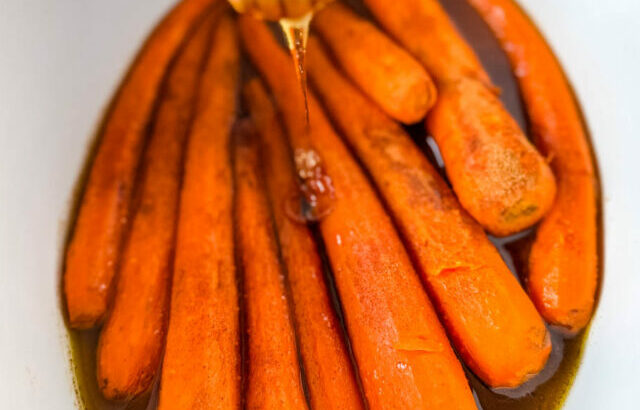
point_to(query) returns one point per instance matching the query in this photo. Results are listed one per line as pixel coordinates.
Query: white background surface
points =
(60, 62)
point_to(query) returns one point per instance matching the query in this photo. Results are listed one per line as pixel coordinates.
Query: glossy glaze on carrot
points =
(490, 318)
(563, 266)
(403, 354)
(131, 342)
(327, 365)
(94, 251)
(201, 366)
(274, 380)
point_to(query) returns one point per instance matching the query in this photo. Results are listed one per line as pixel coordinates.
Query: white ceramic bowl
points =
(60, 62)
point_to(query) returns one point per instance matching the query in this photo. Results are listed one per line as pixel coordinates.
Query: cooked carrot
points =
(327, 366)
(201, 367)
(296, 8)
(276, 9)
(493, 324)
(94, 251)
(274, 380)
(130, 346)
(498, 176)
(386, 73)
(403, 355)
(563, 268)
(425, 30)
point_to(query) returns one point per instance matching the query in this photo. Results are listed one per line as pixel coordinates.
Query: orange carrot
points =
(563, 268)
(201, 367)
(403, 355)
(498, 176)
(94, 250)
(385, 72)
(425, 30)
(325, 357)
(276, 9)
(131, 341)
(489, 317)
(274, 379)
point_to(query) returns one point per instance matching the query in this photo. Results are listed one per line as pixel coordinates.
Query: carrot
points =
(296, 8)
(130, 345)
(425, 30)
(94, 251)
(385, 72)
(493, 324)
(498, 176)
(403, 355)
(277, 9)
(327, 366)
(274, 379)
(201, 367)
(563, 267)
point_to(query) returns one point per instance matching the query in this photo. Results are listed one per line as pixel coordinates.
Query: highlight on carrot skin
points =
(385, 237)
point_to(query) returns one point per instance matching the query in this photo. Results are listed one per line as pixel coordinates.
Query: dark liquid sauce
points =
(545, 391)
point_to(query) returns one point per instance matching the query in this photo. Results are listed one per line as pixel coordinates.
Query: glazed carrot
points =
(386, 73)
(425, 30)
(94, 251)
(201, 367)
(130, 345)
(274, 380)
(276, 9)
(493, 324)
(296, 8)
(327, 366)
(498, 176)
(403, 355)
(563, 268)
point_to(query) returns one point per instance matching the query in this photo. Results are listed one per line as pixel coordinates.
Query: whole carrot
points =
(327, 366)
(563, 267)
(274, 379)
(130, 345)
(425, 30)
(385, 72)
(489, 317)
(403, 355)
(498, 176)
(94, 251)
(201, 367)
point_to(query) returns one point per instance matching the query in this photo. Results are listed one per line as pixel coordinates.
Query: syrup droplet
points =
(315, 197)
